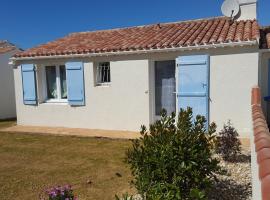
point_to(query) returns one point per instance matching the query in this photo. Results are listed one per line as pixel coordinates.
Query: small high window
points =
(103, 73)
(56, 83)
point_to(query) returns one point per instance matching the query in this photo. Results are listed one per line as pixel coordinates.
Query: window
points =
(103, 74)
(165, 86)
(56, 86)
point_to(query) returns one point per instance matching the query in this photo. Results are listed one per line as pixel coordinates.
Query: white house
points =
(7, 97)
(121, 78)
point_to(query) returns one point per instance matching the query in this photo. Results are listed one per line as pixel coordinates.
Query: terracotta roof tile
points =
(247, 31)
(239, 31)
(157, 36)
(5, 46)
(217, 31)
(209, 33)
(255, 29)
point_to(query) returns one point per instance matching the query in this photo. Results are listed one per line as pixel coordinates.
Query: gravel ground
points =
(236, 183)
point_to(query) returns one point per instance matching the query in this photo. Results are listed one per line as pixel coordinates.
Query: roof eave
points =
(264, 50)
(143, 51)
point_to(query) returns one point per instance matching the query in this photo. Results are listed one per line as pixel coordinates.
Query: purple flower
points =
(64, 192)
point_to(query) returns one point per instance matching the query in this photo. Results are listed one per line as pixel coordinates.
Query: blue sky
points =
(28, 23)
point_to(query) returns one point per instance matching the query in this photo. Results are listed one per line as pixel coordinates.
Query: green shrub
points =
(174, 160)
(124, 197)
(228, 144)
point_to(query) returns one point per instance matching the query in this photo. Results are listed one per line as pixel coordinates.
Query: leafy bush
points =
(61, 193)
(174, 161)
(228, 144)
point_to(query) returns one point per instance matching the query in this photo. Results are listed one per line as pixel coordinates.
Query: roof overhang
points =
(143, 51)
(265, 50)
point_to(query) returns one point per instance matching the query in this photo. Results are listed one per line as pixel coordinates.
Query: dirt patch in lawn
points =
(32, 163)
(73, 132)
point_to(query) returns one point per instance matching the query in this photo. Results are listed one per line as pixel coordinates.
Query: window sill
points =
(103, 85)
(55, 102)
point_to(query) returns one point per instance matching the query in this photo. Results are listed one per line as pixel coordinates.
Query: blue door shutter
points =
(29, 84)
(75, 83)
(193, 84)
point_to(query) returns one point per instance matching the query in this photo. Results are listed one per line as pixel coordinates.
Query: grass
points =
(32, 163)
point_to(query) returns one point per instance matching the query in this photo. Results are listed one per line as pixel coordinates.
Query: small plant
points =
(61, 193)
(174, 161)
(228, 144)
(124, 197)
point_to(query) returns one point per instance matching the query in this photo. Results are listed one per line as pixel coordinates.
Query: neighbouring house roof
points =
(265, 37)
(158, 36)
(6, 46)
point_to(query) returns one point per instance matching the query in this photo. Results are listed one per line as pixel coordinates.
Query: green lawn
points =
(30, 163)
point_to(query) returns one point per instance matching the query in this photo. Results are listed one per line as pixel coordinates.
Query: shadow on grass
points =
(5, 123)
(229, 190)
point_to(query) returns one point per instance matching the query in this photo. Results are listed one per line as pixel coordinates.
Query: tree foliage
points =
(228, 145)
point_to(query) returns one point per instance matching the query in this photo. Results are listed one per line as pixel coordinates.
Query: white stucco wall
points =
(233, 72)
(232, 77)
(129, 101)
(124, 105)
(7, 92)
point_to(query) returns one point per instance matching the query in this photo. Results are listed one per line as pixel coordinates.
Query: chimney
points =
(248, 10)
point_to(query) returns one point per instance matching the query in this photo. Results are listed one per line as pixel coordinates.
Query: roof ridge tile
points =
(147, 25)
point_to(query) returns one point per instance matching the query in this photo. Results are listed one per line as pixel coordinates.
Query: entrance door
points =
(193, 83)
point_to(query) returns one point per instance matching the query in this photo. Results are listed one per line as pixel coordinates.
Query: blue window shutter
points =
(75, 83)
(29, 84)
(193, 83)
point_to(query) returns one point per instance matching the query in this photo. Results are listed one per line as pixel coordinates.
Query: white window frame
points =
(98, 74)
(58, 85)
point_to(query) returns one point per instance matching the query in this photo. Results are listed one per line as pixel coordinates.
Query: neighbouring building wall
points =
(264, 82)
(129, 101)
(124, 105)
(7, 92)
